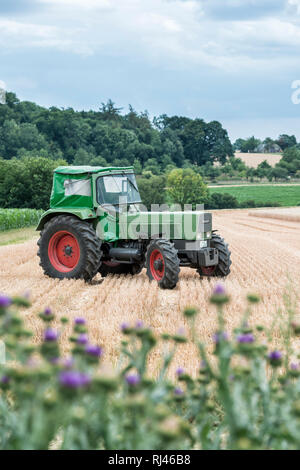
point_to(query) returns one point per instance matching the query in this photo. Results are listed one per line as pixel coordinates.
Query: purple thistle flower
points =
(73, 379)
(133, 379)
(219, 289)
(47, 311)
(246, 338)
(217, 337)
(178, 391)
(124, 326)
(82, 339)
(4, 301)
(50, 335)
(55, 361)
(95, 351)
(179, 371)
(294, 366)
(68, 363)
(139, 324)
(80, 321)
(275, 356)
(4, 379)
(181, 331)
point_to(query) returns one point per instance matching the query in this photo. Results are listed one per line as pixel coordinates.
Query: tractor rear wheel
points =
(69, 248)
(223, 267)
(107, 268)
(163, 263)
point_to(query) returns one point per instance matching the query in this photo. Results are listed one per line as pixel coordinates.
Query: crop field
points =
(266, 260)
(254, 159)
(288, 195)
(18, 218)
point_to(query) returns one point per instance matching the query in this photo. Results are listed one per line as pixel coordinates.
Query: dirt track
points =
(265, 254)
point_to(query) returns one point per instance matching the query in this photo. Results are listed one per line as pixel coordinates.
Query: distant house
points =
(268, 148)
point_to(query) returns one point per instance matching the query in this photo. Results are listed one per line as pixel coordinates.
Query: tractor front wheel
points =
(163, 263)
(223, 267)
(69, 248)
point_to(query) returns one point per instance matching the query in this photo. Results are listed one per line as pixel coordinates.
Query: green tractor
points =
(96, 223)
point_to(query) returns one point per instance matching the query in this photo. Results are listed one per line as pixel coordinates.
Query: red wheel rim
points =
(208, 270)
(63, 251)
(157, 265)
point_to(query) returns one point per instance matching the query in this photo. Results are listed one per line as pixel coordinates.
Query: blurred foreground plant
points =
(247, 398)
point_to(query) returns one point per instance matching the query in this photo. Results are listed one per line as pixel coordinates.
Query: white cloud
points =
(82, 4)
(171, 33)
(295, 4)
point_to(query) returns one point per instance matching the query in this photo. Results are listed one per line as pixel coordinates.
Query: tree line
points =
(173, 156)
(108, 137)
(268, 145)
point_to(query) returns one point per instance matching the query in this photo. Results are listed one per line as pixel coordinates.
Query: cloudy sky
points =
(230, 60)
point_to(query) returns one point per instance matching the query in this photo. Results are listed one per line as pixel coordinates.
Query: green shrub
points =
(222, 201)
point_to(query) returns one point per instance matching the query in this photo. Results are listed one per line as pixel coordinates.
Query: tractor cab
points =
(90, 187)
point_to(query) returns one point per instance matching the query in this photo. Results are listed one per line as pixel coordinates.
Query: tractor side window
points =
(77, 187)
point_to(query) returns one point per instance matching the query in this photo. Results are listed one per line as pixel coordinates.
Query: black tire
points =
(89, 257)
(131, 269)
(171, 264)
(223, 268)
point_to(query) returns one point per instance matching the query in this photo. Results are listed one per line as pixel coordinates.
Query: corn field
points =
(18, 218)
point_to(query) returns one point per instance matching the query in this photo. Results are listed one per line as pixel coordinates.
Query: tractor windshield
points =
(118, 189)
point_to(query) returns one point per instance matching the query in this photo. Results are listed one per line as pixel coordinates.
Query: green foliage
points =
(203, 142)
(285, 141)
(279, 173)
(26, 182)
(184, 186)
(246, 398)
(18, 218)
(247, 145)
(152, 190)
(289, 164)
(83, 137)
(228, 201)
(221, 201)
(269, 145)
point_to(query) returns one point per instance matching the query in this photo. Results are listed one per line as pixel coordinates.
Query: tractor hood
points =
(187, 225)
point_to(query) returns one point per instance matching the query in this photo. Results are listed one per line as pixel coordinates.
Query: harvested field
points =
(289, 214)
(254, 159)
(265, 255)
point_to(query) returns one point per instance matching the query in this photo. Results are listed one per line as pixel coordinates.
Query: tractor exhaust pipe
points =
(125, 254)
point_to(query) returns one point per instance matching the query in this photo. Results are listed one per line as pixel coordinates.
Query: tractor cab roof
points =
(83, 170)
(72, 185)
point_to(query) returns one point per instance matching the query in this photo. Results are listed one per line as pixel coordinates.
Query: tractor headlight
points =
(203, 236)
(203, 244)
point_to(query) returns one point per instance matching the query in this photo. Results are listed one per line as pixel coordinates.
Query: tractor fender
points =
(82, 214)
